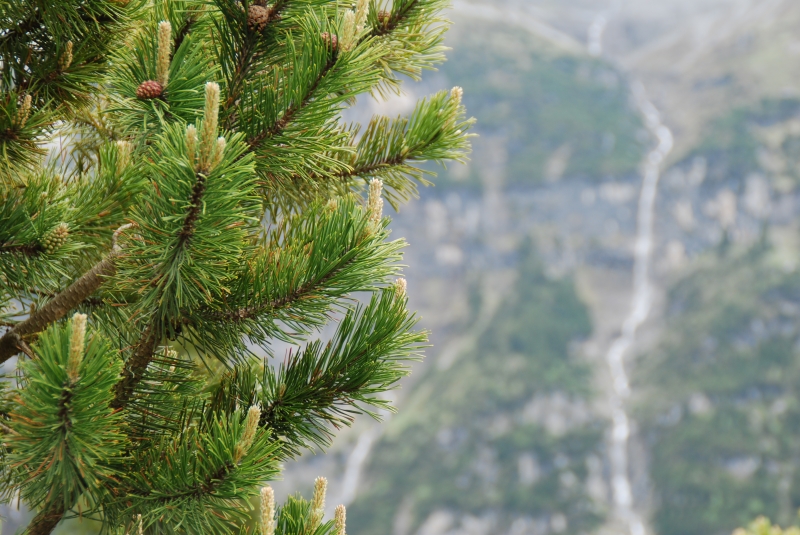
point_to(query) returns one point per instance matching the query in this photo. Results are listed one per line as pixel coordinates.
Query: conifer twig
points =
(135, 367)
(280, 125)
(244, 64)
(152, 334)
(394, 20)
(12, 341)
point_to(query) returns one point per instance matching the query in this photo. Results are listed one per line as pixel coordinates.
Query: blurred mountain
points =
(500, 432)
(555, 114)
(698, 58)
(522, 265)
(720, 408)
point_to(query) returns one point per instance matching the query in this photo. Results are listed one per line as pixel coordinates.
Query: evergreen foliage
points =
(177, 179)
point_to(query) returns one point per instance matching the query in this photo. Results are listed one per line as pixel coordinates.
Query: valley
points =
(533, 270)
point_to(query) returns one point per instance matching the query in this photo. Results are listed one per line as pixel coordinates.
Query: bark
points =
(135, 368)
(46, 521)
(12, 342)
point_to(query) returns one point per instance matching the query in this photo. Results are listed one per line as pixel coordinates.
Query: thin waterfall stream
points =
(641, 304)
(641, 300)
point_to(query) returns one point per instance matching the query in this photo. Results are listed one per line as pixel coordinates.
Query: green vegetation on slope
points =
(461, 444)
(764, 137)
(723, 413)
(545, 105)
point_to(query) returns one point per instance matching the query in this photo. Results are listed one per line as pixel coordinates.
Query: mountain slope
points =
(504, 435)
(555, 113)
(722, 396)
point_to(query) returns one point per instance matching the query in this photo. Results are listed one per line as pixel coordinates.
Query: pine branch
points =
(312, 263)
(208, 485)
(314, 288)
(395, 19)
(412, 32)
(135, 367)
(12, 341)
(280, 125)
(44, 29)
(326, 385)
(163, 402)
(308, 290)
(246, 59)
(185, 492)
(22, 125)
(64, 438)
(437, 130)
(228, 208)
(46, 521)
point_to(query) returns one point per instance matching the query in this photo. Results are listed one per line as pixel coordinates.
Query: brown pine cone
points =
(330, 40)
(257, 17)
(383, 18)
(149, 89)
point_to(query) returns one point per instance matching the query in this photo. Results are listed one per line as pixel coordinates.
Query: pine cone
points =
(330, 40)
(383, 18)
(56, 238)
(257, 17)
(149, 89)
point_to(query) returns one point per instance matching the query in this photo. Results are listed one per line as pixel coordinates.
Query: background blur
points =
(522, 420)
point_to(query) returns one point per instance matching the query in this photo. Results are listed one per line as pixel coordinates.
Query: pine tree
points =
(179, 194)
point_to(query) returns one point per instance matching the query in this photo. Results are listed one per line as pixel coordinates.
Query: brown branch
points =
(55, 309)
(195, 204)
(91, 301)
(135, 367)
(237, 82)
(27, 249)
(357, 171)
(12, 341)
(46, 521)
(181, 35)
(367, 169)
(371, 168)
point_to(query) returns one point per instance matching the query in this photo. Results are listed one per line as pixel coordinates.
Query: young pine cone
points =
(56, 238)
(149, 89)
(383, 18)
(330, 40)
(257, 17)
